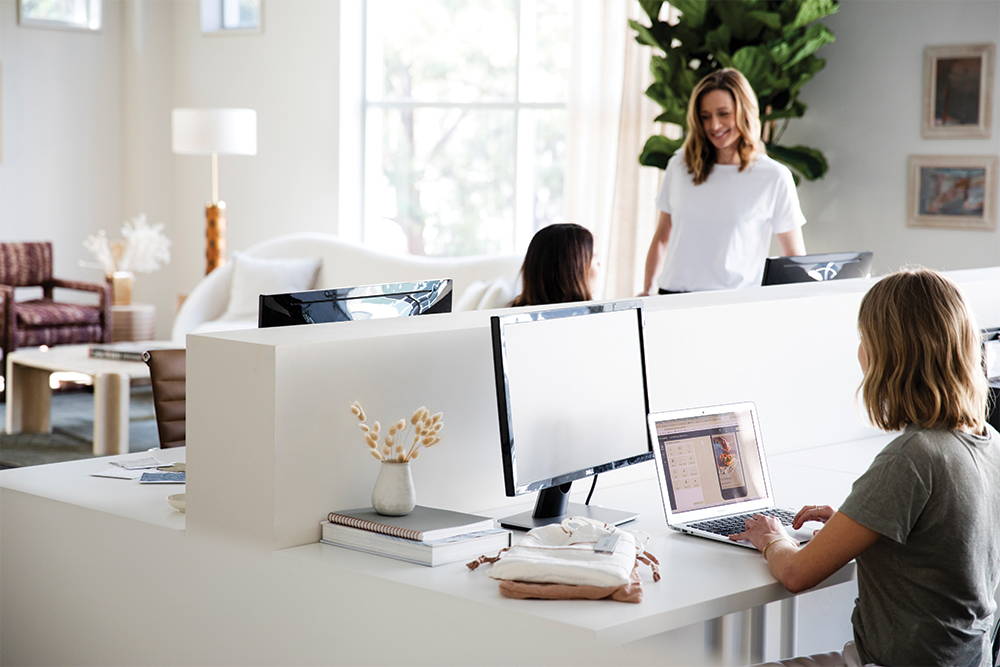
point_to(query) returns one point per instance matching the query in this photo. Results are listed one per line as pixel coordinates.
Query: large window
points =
(464, 123)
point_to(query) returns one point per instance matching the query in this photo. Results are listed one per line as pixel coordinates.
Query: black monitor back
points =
(814, 268)
(365, 302)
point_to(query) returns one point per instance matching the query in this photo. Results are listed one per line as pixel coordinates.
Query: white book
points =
(433, 553)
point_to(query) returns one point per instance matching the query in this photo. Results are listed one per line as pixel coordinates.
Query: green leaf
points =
(734, 15)
(815, 37)
(809, 11)
(693, 11)
(770, 19)
(652, 8)
(644, 34)
(795, 110)
(755, 64)
(658, 151)
(718, 39)
(804, 72)
(808, 162)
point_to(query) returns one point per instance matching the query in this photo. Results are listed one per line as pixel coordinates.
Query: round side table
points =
(136, 321)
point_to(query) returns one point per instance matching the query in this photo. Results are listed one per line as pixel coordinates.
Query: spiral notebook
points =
(423, 524)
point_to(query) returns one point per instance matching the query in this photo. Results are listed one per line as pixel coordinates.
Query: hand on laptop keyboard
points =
(821, 513)
(730, 525)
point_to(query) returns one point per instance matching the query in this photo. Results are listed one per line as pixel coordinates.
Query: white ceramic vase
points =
(393, 494)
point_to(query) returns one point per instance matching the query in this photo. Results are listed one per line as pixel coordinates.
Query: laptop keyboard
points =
(730, 525)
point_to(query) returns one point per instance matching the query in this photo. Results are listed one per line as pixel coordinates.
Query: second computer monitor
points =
(365, 302)
(571, 398)
(820, 267)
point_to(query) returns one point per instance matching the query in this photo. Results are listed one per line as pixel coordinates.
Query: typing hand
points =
(820, 513)
(759, 530)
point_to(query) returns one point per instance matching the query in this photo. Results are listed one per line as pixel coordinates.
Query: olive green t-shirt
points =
(926, 587)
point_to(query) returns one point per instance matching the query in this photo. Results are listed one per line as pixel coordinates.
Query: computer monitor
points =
(810, 268)
(366, 302)
(571, 399)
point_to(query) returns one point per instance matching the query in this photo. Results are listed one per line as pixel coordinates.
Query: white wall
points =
(865, 115)
(288, 73)
(61, 147)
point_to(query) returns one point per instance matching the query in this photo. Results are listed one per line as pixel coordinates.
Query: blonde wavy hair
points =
(924, 355)
(699, 153)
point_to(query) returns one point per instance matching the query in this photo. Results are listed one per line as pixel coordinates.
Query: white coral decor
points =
(144, 248)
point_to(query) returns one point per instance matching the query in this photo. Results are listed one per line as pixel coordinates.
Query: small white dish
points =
(177, 501)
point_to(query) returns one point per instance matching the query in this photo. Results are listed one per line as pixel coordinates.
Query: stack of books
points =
(426, 536)
(128, 351)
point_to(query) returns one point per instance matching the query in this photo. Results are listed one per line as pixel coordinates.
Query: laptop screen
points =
(709, 458)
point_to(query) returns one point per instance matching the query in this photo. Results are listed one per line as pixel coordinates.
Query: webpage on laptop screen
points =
(710, 460)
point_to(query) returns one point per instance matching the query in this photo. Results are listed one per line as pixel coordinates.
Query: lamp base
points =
(215, 236)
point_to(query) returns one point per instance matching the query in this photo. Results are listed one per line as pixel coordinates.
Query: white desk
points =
(232, 603)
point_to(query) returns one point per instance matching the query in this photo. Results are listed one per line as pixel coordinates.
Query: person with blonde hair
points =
(722, 197)
(924, 521)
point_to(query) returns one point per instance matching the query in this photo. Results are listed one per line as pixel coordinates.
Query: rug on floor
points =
(72, 430)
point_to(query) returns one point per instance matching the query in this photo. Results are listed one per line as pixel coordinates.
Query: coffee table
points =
(29, 396)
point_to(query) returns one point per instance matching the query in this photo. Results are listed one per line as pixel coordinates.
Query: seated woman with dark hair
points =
(559, 266)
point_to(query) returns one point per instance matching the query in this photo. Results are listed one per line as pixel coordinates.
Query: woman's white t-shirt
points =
(721, 230)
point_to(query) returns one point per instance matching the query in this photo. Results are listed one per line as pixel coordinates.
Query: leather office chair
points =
(167, 372)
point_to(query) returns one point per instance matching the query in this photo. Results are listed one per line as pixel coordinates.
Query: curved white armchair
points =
(345, 264)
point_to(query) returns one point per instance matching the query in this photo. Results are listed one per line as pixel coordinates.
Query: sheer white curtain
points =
(610, 118)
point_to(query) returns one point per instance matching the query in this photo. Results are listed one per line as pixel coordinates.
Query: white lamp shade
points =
(220, 131)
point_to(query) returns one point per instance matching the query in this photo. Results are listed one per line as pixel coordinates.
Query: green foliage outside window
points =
(772, 42)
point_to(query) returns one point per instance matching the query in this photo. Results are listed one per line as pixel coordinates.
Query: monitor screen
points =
(815, 268)
(366, 302)
(571, 395)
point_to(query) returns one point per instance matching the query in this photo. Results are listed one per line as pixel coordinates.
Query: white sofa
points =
(479, 282)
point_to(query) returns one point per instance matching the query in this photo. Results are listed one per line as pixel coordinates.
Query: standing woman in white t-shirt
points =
(722, 197)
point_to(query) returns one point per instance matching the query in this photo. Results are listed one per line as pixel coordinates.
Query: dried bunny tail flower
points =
(371, 444)
(375, 455)
(415, 454)
(437, 427)
(401, 424)
(438, 416)
(389, 440)
(386, 450)
(418, 415)
(363, 427)
(427, 442)
(376, 427)
(358, 411)
(399, 450)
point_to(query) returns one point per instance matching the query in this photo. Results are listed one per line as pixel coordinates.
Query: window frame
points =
(354, 120)
(93, 22)
(213, 23)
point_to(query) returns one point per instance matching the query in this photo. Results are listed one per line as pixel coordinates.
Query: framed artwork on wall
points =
(955, 191)
(958, 91)
(65, 14)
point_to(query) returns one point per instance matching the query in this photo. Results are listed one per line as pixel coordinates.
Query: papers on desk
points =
(140, 464)
(116, 472)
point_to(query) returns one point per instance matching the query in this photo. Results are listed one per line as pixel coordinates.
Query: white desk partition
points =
(94, 572)
(273, 446)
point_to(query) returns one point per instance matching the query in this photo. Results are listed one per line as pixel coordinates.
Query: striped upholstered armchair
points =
(45, 321)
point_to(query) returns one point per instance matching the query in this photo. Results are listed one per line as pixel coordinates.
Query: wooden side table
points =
(136, 321)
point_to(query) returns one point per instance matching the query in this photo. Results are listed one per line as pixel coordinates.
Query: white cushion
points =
(483, 295)
(253, 276)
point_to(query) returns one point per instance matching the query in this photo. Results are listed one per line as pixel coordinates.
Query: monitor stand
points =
(553, 506)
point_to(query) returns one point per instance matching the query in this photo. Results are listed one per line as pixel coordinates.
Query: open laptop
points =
(712, 471)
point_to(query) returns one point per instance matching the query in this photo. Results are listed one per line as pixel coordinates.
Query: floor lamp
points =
(214, 132)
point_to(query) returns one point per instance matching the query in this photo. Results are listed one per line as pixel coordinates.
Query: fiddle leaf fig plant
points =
(774, 44)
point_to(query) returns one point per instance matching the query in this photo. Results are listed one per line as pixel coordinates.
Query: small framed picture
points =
(958, 91)
(954, 191)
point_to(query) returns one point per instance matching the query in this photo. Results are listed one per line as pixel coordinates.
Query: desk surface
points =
(71, 482)
(701, 580)
(694, 586)
(76, 359)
